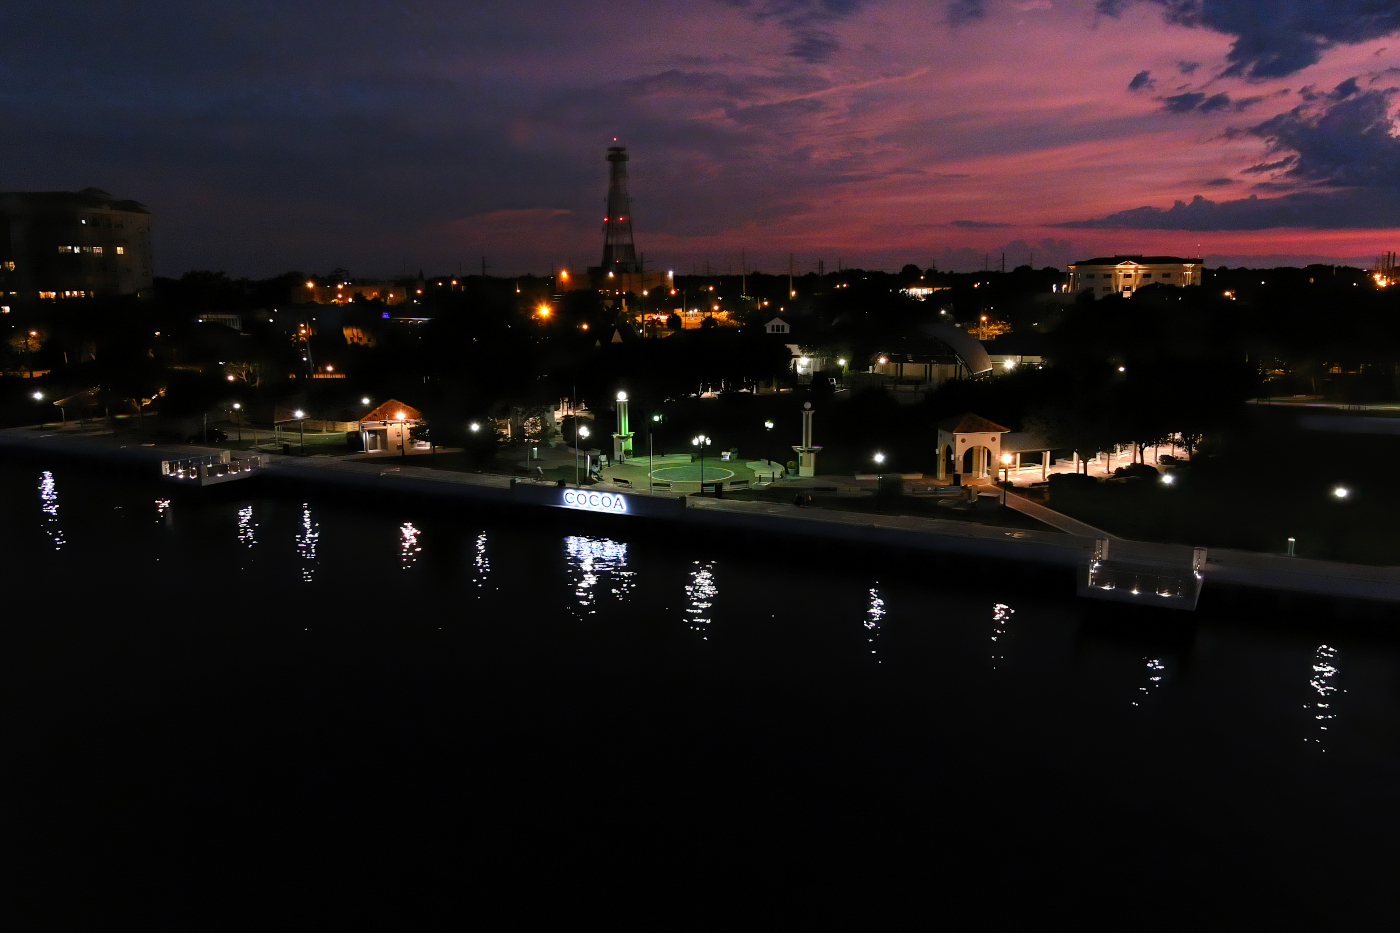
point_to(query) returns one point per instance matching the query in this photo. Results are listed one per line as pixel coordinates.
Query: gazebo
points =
(969, 447)
(387, 427)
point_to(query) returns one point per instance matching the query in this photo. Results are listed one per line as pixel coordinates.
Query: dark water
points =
(215, 703)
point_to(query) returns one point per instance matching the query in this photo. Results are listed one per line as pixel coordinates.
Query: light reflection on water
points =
(307, 537)
(163, 511)
(1156, 673)
(247, 528)
(589, 559)
(1324, 670)
(409, 547)
(1001, 618)
(48, 502)
(481, 564)
(874, 622)
(700, 595)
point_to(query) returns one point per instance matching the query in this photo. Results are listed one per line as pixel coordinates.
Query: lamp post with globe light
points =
(700, 442)
(1005, 475)
(580, 432)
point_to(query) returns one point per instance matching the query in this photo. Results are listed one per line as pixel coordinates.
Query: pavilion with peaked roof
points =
(969, 447)
(388, 427)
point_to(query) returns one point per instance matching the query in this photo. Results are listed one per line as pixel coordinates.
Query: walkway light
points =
(879, 458)
(768, 425)
(236, 406)
(364, 401)
(1341, 492)
(475, 427)
(840, 362)
(583, 432)
(301, 414)
(1168, 479)
(622, 396)
(230, 377)
(38, 396)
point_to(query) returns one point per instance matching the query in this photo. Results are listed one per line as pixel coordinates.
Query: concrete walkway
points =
(1052, 518)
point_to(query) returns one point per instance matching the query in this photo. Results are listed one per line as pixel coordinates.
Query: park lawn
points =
(1227, 503)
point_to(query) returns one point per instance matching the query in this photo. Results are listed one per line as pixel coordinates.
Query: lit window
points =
(121, 250)
(97, 249)
(48, 295)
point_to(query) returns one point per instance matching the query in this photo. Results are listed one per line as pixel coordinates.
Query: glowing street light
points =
(475, 427)
(1341, 492)
(1168, 479)
(38, 396)
(1005, 475)
(700, 442)
(879, 458)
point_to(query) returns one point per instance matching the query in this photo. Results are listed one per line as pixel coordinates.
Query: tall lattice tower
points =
(619, 252)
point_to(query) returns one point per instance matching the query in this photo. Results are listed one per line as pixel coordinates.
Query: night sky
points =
(385, 137)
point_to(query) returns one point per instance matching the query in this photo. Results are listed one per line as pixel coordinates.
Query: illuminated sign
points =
(594, 501)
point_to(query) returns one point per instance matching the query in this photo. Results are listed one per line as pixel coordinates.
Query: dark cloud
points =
(1274, 38)
(1183, 103)
(1142, 81)
(1337, 146)
(1196, 102)
(814, 47)
(1265, 168)
(1187, 68)
(1331, 210)
(978, 224)
(965, 12)
(1220, 182)
(1345, 142)
(804, 18)
(1215, 102)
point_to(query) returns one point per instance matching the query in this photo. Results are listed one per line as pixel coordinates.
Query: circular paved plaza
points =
(690, 474)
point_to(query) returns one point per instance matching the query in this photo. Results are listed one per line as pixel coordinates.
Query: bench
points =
(619, 481)
(661, 485)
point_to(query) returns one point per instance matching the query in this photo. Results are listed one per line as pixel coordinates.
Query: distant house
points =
(1121, 275)
(777, 326)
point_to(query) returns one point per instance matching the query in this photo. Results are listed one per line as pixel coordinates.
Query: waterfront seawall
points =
(1047, 548)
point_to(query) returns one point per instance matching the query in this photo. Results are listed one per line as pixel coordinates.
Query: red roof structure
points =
(968, 423)
(395, 411)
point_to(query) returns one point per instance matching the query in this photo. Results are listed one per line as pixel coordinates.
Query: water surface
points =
(249, 689)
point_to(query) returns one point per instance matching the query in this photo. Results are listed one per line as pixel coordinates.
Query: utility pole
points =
(790, 292)
(483, 267)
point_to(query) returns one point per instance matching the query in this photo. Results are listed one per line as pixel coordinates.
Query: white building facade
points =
(1123, 275)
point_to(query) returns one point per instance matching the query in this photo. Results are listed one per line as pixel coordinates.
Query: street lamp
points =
(880, 458)
(1341, 492)
(238, 419)
(580, 432)
(700, 441)
(1005, 475)
(301, 428)
(475, 427)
